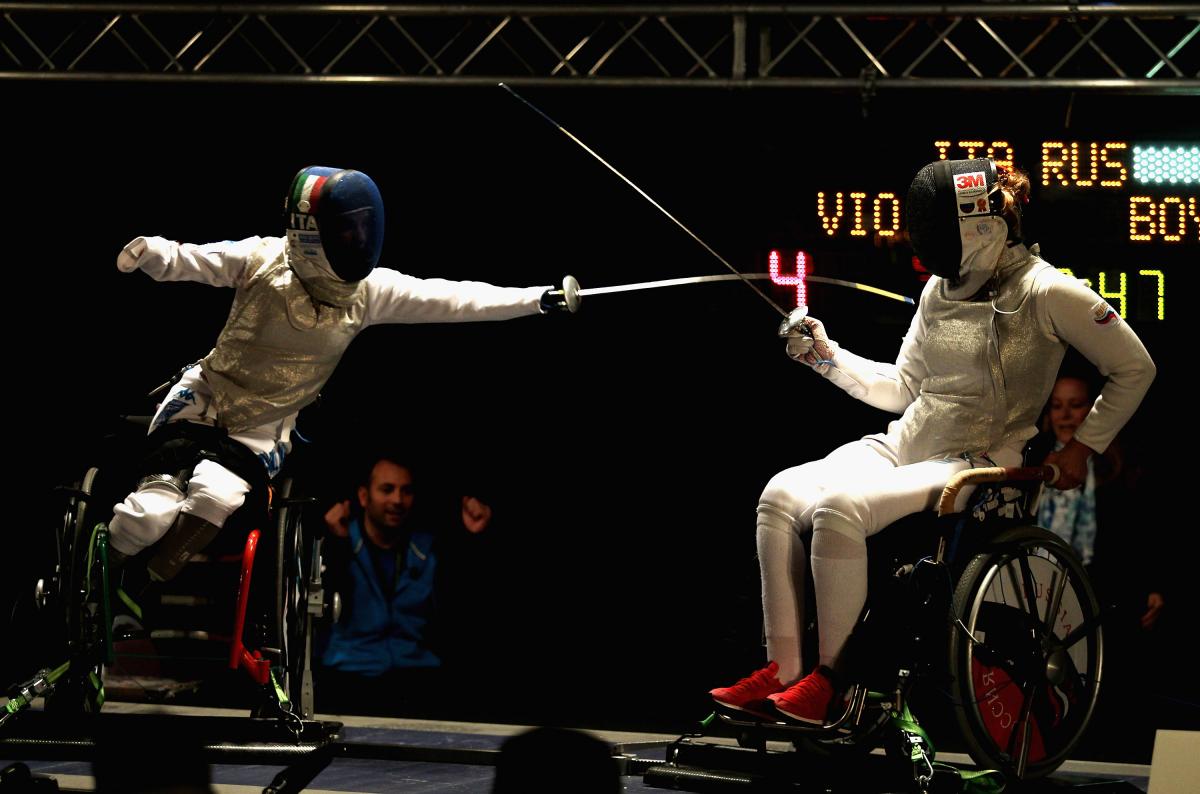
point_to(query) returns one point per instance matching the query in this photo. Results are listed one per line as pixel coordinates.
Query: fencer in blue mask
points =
(225, 425)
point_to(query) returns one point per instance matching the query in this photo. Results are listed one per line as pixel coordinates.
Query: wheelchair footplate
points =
(772, 755)
(765, 728)
(704, 763)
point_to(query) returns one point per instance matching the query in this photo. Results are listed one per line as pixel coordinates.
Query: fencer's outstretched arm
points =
(217, 264)
(393, 297)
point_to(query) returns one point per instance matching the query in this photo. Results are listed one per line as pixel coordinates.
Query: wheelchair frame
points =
(80, 588)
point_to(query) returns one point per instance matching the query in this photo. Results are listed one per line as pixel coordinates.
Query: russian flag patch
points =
(1103, 314)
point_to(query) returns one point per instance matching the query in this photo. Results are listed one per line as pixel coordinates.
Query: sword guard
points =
(570, 290)
(794, 325)
(566, 298)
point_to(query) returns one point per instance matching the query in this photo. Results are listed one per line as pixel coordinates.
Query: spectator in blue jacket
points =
(382, 561)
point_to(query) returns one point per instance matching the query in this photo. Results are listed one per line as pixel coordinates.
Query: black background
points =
(627, 444)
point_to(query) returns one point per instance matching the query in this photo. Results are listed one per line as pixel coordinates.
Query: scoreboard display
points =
(1123, 215)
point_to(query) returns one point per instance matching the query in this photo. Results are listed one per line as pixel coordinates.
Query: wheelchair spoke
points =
(1059, 584)
(1023, 589)
(993, 658)
(1030, 589)
(1025, 726)
(1082, 631)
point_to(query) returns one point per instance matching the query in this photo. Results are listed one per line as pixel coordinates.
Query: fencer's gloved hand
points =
(143, 251)
(564, 299)
(807, 341)
(127, 260)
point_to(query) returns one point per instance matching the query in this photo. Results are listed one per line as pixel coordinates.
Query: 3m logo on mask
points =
(966, 181)
(299, 220)
(971, 192)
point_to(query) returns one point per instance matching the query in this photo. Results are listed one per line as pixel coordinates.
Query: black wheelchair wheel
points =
(1025, 652)
(78, 594)
(293, 567)
(74, 538)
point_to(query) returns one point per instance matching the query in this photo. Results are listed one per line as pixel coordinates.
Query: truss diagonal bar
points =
(765, 70)
(95, 40)
(1032, 45)
(420, 50)
(816, 51)
(416, 45)
(1175, 50)
(579, 46)
(608, 53)
(216, 47)
(262, 18)
(1016, 59)
(254, 49)
(61, 46)
(858, 42)
(449, 43)
(515, 53)
(357, 37)
(124, 43)
(187, 45)
(932, 46)
(1084, 39)
(708, 53)
(486, 40)
(310, 53)
(385, 52)
(561, 60)
(899, 37)
(45, 60)
(137, 19)
(1163, 57)
(683, 43)
(646, 51)
(962, 57)
(1117, 70)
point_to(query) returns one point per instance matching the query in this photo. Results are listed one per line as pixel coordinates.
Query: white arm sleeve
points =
(1082, 319)
(888, 387)
(393, 297)
(216, 264)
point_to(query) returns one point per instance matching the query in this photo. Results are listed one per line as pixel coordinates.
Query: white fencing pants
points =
(855, 491)
(213, 493)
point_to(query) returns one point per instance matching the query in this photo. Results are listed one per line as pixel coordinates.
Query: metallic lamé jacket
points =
(279, 346)
(987, 373)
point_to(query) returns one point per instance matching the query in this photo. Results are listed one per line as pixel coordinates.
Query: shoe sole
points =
(797, 717)
(760, 714)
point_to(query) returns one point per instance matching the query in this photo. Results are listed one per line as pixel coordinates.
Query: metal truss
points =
(867, 47)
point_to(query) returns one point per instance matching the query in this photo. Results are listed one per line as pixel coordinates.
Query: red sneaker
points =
(807, 700)
(751, 693)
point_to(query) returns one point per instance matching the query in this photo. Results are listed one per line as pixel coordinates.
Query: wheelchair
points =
(996, 614)
(261, 598)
